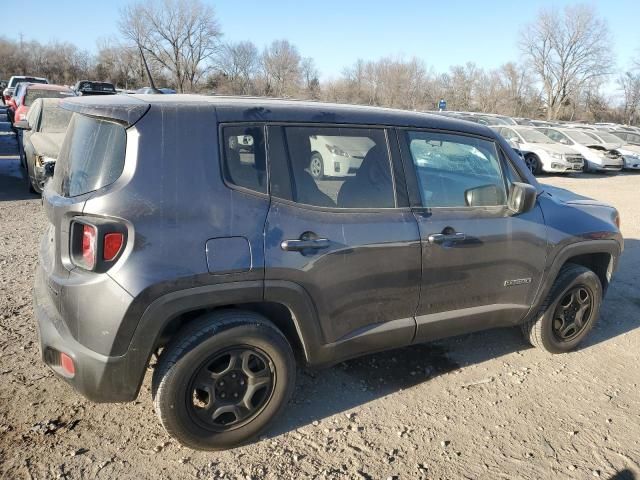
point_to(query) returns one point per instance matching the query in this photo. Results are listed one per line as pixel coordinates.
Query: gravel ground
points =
(478, 406)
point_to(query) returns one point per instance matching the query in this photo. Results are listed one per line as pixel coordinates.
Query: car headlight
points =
(42, 159)
(337, 151)
(557, 156)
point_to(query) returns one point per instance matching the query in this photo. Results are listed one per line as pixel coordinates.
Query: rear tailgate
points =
(95, 139)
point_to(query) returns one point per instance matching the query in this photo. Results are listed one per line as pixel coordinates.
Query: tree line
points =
(565, 63)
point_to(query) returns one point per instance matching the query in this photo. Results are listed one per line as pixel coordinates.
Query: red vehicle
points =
(28, 93)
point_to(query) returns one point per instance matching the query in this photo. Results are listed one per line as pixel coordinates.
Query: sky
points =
(338, 32)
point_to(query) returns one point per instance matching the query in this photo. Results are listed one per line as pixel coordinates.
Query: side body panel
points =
(487, 280)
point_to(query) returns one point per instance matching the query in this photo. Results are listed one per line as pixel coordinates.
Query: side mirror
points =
(515, 140)
(22, 125)
(522, 197)
(564, 141)
(483, 196)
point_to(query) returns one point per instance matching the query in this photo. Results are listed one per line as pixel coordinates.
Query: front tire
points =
(533, 164)
(569, 311)
(31, 184)
(316, 166)
(222, 381)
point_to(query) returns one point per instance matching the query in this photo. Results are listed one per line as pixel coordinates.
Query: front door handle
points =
(304, 244)
(440, 238)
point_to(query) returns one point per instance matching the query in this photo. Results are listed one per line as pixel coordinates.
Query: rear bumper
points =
(98, 377)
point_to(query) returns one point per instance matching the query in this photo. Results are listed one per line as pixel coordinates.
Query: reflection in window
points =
(340, 167)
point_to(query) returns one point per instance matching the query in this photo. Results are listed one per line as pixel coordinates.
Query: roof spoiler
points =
(121, 108)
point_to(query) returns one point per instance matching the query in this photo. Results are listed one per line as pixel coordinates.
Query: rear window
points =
(15, 81)
(33, 94)
(91, 156)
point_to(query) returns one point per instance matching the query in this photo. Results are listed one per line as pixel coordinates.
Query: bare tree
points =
(629, 83)
(281, 69)
(180, 35)
(237, 65)
(567, 51)
(310, 78)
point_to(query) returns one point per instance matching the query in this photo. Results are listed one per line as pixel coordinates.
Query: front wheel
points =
(569, 311)
(316, 166)
(32, 184)
(221, 382)
(533, 164)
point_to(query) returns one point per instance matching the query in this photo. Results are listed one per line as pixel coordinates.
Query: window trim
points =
(354, 126)
(413, 185)
(223, 158)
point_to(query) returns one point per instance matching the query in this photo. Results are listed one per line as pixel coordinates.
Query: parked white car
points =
(542, 154)
(630, 153)
(337, 156)
(596, 156)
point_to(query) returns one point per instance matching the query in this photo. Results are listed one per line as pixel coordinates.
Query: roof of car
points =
(235, 108)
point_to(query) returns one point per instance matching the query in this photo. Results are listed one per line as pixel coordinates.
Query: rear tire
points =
(569, 311)
(223, 380)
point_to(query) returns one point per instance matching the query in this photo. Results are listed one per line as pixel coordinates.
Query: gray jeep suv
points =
(191, 228)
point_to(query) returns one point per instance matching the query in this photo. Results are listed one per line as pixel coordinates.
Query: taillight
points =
(112, 245)
(96, 243)
(88, 246)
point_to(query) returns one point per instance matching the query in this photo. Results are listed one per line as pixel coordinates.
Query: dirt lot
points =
(478, 406)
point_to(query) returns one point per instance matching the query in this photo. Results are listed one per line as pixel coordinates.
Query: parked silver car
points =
(541, 153)
(43, 132)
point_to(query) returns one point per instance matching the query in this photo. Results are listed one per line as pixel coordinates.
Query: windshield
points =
(33, 94)
(610, 138)
(593, 135)
(534, 136)
(580, 137)
(55, 119)
(632, 137)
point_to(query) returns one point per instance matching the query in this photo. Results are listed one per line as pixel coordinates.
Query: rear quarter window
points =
(91, 157)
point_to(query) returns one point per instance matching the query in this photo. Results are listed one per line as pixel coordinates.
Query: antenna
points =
(146, 67)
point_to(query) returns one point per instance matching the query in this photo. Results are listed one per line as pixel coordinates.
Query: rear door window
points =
(91, 157)
(340, 167)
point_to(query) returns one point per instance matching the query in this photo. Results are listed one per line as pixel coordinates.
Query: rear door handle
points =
(304, 244)
(440, 238)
